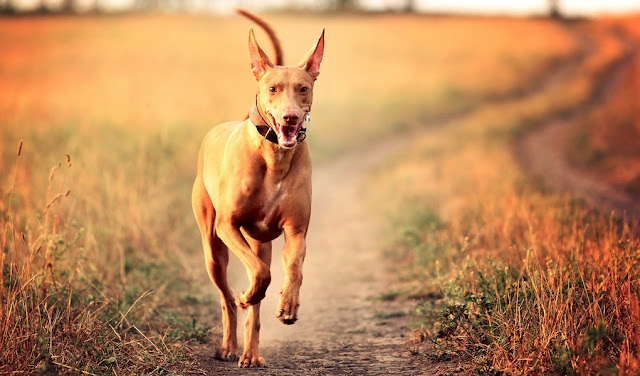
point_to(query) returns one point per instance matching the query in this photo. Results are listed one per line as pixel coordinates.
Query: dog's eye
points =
(304, 89)
(272, 89)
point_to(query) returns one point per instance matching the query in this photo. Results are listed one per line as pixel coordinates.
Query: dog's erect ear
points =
(311, 62)
(259, 60)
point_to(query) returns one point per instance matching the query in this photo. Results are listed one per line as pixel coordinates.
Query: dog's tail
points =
(277, 59)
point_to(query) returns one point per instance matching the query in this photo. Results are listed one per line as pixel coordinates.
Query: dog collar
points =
(261, 125)
(265, 130)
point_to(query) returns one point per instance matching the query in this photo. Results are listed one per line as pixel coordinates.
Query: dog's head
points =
(285, 93)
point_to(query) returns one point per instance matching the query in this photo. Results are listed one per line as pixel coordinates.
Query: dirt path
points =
(342, 329)
(543, 151)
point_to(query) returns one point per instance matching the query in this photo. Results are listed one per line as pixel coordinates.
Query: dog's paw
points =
(249, 360)
(241, 301)
(226, 355)
(247, 299)
(288, 310)
(287, 319)
(256, 292)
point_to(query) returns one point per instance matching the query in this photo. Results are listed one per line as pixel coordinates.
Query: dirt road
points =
(543, 152)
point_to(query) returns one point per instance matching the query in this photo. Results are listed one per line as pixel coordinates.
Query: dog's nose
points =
(290, 118)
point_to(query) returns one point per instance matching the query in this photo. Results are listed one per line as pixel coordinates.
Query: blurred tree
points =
(68, 6)
(7, 7)
(342, 5)
(554, 9)
(409, 6)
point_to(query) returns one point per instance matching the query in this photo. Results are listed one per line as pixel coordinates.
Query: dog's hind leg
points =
(216, 256)
(251, 355)
(216, 261)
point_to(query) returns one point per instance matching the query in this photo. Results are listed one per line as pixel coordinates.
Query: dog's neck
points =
(261, 125)
(276, 159)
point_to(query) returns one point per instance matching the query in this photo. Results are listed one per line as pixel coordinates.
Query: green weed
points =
(388, 315)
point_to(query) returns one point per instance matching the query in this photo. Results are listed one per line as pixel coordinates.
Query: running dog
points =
(253, 184)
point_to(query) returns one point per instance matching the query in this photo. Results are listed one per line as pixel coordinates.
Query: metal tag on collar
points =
(307, 119)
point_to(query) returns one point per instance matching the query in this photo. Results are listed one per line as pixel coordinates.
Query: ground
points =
(149, 243)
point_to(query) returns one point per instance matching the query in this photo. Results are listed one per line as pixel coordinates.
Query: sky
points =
(509, 7)
(518, 7)
(573, 7)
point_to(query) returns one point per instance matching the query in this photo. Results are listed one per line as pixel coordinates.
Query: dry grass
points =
(57, 317)
(110, 276)
(525, 281)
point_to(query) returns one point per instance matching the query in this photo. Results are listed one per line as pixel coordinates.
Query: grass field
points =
(518, 279)
(101, 262)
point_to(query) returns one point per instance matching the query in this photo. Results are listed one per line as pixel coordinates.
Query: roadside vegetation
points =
(70, 308)
(513, 278)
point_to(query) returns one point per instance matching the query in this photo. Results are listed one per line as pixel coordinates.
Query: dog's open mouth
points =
(287, 134)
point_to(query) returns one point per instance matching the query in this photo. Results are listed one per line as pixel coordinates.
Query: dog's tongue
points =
(287, 135)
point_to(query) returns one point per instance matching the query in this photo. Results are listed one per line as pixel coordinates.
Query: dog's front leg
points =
(258, 271)
(293, 255)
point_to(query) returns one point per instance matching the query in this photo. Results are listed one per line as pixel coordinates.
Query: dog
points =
(253, 184)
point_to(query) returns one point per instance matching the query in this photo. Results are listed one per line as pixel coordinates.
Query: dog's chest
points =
(266, 193)
(263, 210)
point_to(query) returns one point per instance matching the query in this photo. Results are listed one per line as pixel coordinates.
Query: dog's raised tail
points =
(277, 58)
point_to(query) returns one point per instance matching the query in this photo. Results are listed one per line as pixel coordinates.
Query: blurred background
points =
(523, 7)
(109, 101)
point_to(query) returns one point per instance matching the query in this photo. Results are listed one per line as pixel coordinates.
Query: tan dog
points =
(253, 184)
